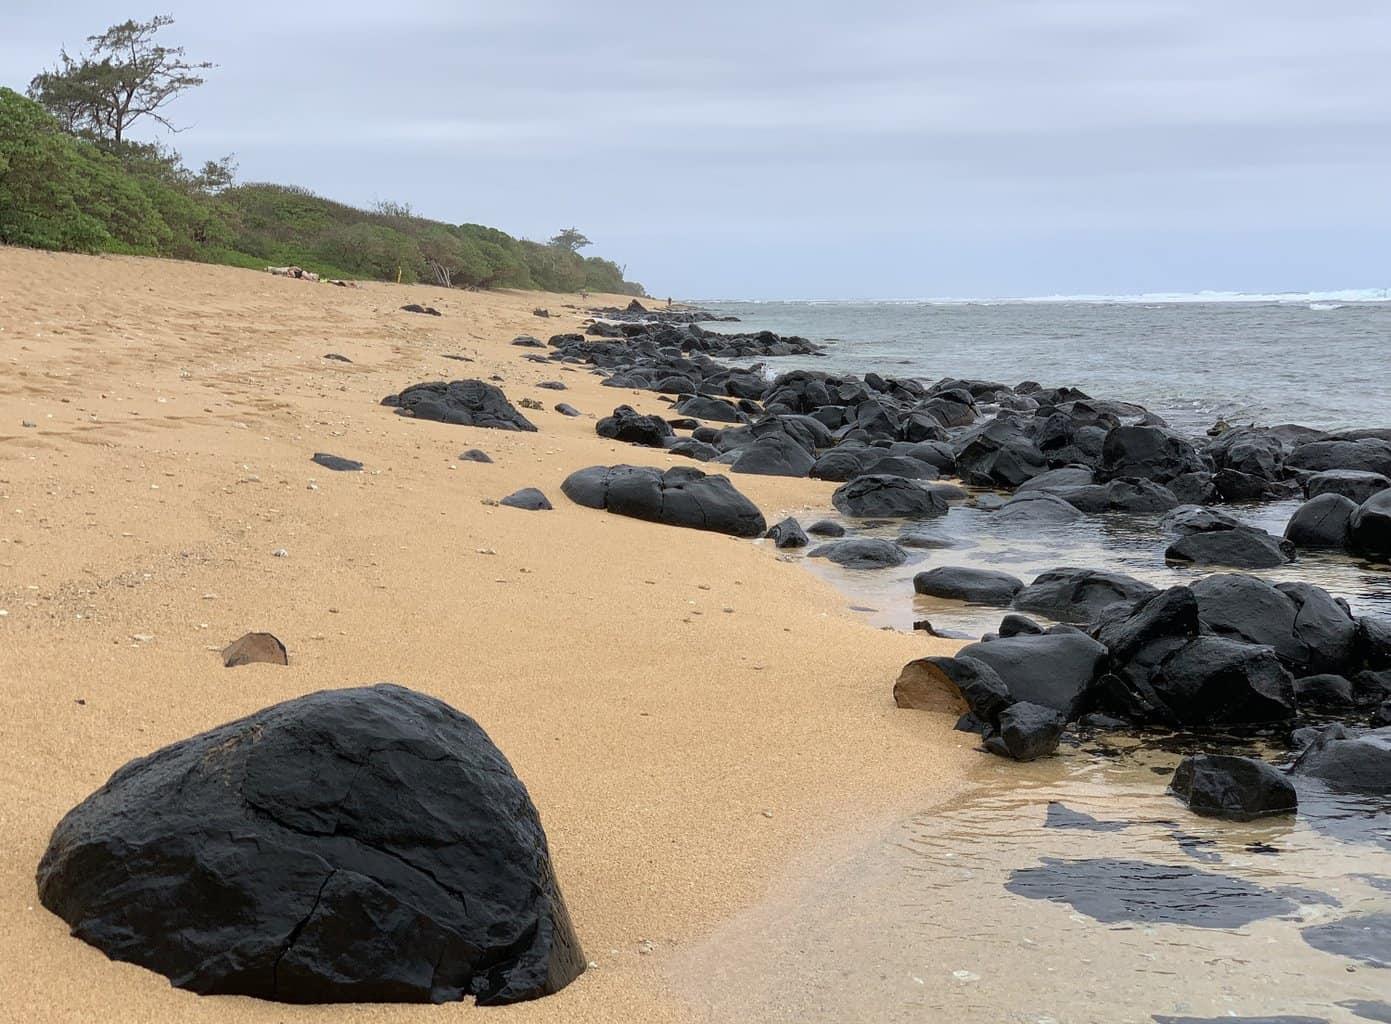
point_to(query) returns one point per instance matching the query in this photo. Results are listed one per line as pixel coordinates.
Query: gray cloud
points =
(757, 148)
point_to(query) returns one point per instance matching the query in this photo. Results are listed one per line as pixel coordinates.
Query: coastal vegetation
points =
(72, 179)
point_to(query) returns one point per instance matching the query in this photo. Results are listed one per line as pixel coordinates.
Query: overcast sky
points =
(807, 149)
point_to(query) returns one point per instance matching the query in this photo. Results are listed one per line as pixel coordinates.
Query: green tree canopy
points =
(570, 239)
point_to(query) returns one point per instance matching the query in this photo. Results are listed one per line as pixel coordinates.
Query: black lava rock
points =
(963, 583)
(475, 455)
(1226, 786)
(1215, 681)
(1369, 528)
(337, 463)
(680, 496)
(788, 534)
(888, 497)
(1025, 732)
(1349, 763)
(1053, 669)
(363, 845)
(627, 424)
(862, 553)
(1321, 522)
(1240, 549)
(1080, 595)
(826, 528)
(416, 307)
(528, 498)
(468, 403)
(1355, 485)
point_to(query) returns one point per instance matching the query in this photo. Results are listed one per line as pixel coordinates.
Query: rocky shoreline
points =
(1229, 655)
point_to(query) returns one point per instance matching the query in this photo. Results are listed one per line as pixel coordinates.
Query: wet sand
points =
(692, 715)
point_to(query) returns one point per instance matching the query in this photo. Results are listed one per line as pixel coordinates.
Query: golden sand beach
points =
(693, 717)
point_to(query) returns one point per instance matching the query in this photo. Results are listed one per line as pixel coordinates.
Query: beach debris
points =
(475, 455)
(336, 357)
(463, 902)
(680, 496)
(295, 272)
(528, 498)
(468, 403)
(280, 553)
(142, 638)
(530, 403)
(337, 463)
(415, 307)
(255, 648)
(455, 357)
(538, 311)
(28, 424)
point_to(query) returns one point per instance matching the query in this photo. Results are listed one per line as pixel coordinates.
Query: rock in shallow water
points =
(964, 583)
(888, 497)
(1226, 786)
(862, 553)
(361, 845)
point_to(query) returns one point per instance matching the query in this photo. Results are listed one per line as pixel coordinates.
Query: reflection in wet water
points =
(1061, 891)
(1132, 544)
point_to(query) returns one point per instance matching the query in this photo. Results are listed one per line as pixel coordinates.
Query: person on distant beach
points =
(668, 302)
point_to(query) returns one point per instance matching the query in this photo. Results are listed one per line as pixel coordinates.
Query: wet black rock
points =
(1080, 595)
(998, 453)
(963, 583)
(1238, 549)
(1362, 937)
(1037, 507)
(1150, 453)
(1366, 455)
(1324, 692)
(1355, 485)
(337, 463)
(475, 455)
(1213, 681)
(1193, 488)
(1053, 669)
(949, 684)
(888, 497)
(1237, 788)
(1321, 522)
(1369, 528)
(1374, 641)
(862, 553)
(1019, 625)
(363, 845)
(1310, 630)
(1025, 732)
(788, 534)
(1192, 519)
(826, 528)
(469, 403)
(681, 496)
(416, 307)
(628, 425)
(529, 499)
(1349, 763)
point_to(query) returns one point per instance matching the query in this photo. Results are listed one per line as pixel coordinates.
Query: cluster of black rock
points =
(636, 312)
(1230, 653)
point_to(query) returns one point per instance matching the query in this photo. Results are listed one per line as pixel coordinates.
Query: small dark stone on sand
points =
(337, 463)
(566, 409)
(416, 307)
(552, 385)
(528, 498)
(336, 357)
(475, 455)
(527, 341)
(253, 649)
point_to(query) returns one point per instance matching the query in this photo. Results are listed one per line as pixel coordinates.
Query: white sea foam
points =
(1315, 300)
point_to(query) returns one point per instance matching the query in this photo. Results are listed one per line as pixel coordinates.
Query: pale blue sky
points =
(810, 149)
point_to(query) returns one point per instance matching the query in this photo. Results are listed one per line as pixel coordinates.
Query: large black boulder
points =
(1080, 595)
(1216, 681)
(1369, 528)
(1354, 484)
(1239, 549)
(963, 583)
(1310, 631)
(468, 403)
(1321, 522)
(998, 453)
(1150, 453)
(1366, 455)
(362, 845)
(771, 455)
(888, 497)
(680, 496)
(702, 407)
(1227, 786)
(1349, 763)
(1055, 670)
(627, 424)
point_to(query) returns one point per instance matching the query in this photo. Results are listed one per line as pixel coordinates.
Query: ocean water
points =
(1321, 359)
